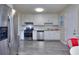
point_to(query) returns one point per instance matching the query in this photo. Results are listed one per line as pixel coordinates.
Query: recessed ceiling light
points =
(39, 9)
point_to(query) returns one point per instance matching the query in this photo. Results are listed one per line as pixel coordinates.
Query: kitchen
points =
(47, 26)
(42, 30)
(45, 32)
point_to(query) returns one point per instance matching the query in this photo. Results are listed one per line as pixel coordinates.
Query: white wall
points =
(70, 21)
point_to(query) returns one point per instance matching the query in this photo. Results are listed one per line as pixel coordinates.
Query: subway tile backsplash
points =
(45, 27)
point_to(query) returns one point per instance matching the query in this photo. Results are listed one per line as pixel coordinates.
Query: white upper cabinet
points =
(40, 19)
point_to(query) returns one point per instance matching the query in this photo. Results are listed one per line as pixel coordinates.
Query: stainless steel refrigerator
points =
(8, 44)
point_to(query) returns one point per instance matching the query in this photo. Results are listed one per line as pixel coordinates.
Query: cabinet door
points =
(34, 35)
(55, 35)
(52, 35)
(47, 35)
(22, 35)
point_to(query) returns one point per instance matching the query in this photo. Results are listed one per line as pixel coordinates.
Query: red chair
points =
(74, 41)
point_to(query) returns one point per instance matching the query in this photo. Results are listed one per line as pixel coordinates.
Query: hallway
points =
(42, 48)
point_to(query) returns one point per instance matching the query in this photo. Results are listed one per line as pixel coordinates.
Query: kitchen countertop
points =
(47, 30)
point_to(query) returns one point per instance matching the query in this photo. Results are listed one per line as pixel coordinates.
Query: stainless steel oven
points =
(28, 31)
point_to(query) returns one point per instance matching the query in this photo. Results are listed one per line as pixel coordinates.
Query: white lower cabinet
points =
(51, 35)
(22, 35)
(48, 35)
(34, 35)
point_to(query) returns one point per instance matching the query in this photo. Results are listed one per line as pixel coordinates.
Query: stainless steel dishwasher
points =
(40, 35)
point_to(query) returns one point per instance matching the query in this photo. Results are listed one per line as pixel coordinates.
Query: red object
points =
(74, 42)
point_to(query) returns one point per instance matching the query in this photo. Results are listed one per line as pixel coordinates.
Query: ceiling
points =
(49, 8)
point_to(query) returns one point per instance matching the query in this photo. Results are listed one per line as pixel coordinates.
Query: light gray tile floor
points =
(42, 48)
